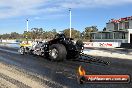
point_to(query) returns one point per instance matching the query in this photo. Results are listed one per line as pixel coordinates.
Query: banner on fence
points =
(102, 44)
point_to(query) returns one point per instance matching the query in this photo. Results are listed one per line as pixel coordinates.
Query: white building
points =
(119, 31)
(116, 31)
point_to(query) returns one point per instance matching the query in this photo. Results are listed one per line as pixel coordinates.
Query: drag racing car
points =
(58, 49)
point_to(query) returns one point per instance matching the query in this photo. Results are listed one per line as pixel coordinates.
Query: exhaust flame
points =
(81, 71)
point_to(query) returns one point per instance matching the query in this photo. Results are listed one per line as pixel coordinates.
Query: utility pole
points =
(70, 20)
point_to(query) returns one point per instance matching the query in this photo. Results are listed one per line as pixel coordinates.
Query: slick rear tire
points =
(57, 52)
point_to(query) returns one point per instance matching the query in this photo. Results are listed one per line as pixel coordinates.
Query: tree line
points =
(40, 33)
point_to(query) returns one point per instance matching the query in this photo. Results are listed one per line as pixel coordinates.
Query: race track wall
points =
(102, 44)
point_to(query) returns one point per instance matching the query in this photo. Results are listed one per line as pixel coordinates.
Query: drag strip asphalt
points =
(44, 73)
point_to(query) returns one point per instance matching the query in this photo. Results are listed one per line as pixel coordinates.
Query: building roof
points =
(120, 20)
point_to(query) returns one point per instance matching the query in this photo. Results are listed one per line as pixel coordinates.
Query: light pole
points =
(27, 32)
(70, 20)
(27, 25)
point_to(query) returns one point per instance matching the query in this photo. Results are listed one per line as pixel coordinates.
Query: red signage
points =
(121, 19)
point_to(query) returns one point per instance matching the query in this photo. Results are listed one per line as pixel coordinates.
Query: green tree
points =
(6, 36)
(54, 32)
(88, 30)
(91, 29)
(104, 29)
(37, 33)
(74, 33)
(49, 34)
(14, 35)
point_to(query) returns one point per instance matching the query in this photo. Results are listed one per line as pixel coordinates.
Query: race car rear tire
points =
(57, 52)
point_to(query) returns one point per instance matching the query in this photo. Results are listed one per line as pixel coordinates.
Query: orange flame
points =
(81, 71)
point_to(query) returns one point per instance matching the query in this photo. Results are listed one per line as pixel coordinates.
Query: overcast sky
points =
(54, 14)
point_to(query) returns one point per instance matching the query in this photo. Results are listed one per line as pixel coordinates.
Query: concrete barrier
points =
(9, 41)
